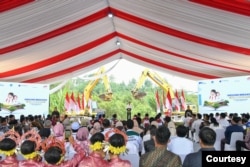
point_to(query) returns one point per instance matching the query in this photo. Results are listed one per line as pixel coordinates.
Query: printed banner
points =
(231, 95)
(23, 99)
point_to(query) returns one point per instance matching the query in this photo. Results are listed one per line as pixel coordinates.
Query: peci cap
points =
(119, 123)
(75, 126)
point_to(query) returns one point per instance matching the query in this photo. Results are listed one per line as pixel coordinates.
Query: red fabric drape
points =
(237, 6)
(179, 34)
(74, 68)
(169, 67)
(80, 23)
(176, 54)
(58, 58)
(10, 4)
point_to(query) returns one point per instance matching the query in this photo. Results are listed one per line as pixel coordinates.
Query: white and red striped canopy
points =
(46, 41)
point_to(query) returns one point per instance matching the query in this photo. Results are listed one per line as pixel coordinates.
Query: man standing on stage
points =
(129, 109)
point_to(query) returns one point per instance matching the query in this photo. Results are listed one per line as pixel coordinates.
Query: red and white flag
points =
(78, 105)
(183, 101)
(164, 100)
(158, 109)
(67, 102)
(168, 104)
(83, 104)
(176, 101)
(72, 102)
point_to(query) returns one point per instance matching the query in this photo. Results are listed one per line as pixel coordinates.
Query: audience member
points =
(176, 144)
(96, 157)
(8, 148)
(55, 151)
(223, 122)
(187, 120)
(160, 156)
(46, 131)
(207, 137)
(133, 137)
(117, 147)
(4, 125)
(244, 144)
(171, 125)
(235, 127)
(107, 127)
(29, 150)
(96, 128)
(145, 121)
(196, 127)
(74, 128)
(149, 145)
(82, 137)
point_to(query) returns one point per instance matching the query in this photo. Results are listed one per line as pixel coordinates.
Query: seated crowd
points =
(55, 141)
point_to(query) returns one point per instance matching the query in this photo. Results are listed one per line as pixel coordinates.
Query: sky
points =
(124, 71)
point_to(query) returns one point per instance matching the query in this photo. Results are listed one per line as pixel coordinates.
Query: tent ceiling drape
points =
(50, 41)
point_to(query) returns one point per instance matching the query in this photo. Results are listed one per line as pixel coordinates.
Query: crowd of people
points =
(80, 142)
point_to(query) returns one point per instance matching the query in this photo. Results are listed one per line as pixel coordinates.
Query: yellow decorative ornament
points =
(60, 161)
(117, 150)
(8, 153)
(96, 146)
(30, 156)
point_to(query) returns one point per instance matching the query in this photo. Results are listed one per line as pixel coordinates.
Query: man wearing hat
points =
(74, 128)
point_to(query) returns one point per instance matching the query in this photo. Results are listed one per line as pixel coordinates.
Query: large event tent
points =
(46, 41)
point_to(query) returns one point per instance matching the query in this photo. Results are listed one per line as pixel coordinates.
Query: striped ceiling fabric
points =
(51, 41)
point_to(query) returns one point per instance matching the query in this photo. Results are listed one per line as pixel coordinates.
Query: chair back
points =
(132, 158)
(182, 156)
(234, 137)
(219, 135)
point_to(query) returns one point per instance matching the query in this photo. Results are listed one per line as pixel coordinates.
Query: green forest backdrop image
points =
(121, 96)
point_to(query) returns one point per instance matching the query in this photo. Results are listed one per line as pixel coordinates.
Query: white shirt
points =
(135, 139)
(224, 123)
(132, 149)
(106, 131)
(180, 145)
(187, 121)
(196, 125)
(145, 138)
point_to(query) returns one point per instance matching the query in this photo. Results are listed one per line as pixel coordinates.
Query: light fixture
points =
(118, 43)
(110, 15)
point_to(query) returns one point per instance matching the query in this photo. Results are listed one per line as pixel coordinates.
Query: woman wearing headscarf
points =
(96, 128)
(58, 131)
(82, 136)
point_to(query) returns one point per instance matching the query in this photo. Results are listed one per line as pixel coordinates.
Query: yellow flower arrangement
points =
(61, 160)
(30, 156)
(96, 146)
(8, 153)
(117, 150)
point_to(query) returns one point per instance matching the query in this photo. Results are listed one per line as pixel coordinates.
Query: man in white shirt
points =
(196, 127)
(107, 128)
(223, 121)
(176, 144)
(134, 137)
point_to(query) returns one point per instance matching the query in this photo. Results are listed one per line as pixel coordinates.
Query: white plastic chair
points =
(234, 137)
(220, 134)
(132, 158)
(182, 156)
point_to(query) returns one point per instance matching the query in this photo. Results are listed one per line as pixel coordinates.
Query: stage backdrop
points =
(231, 95)
(23, 98)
